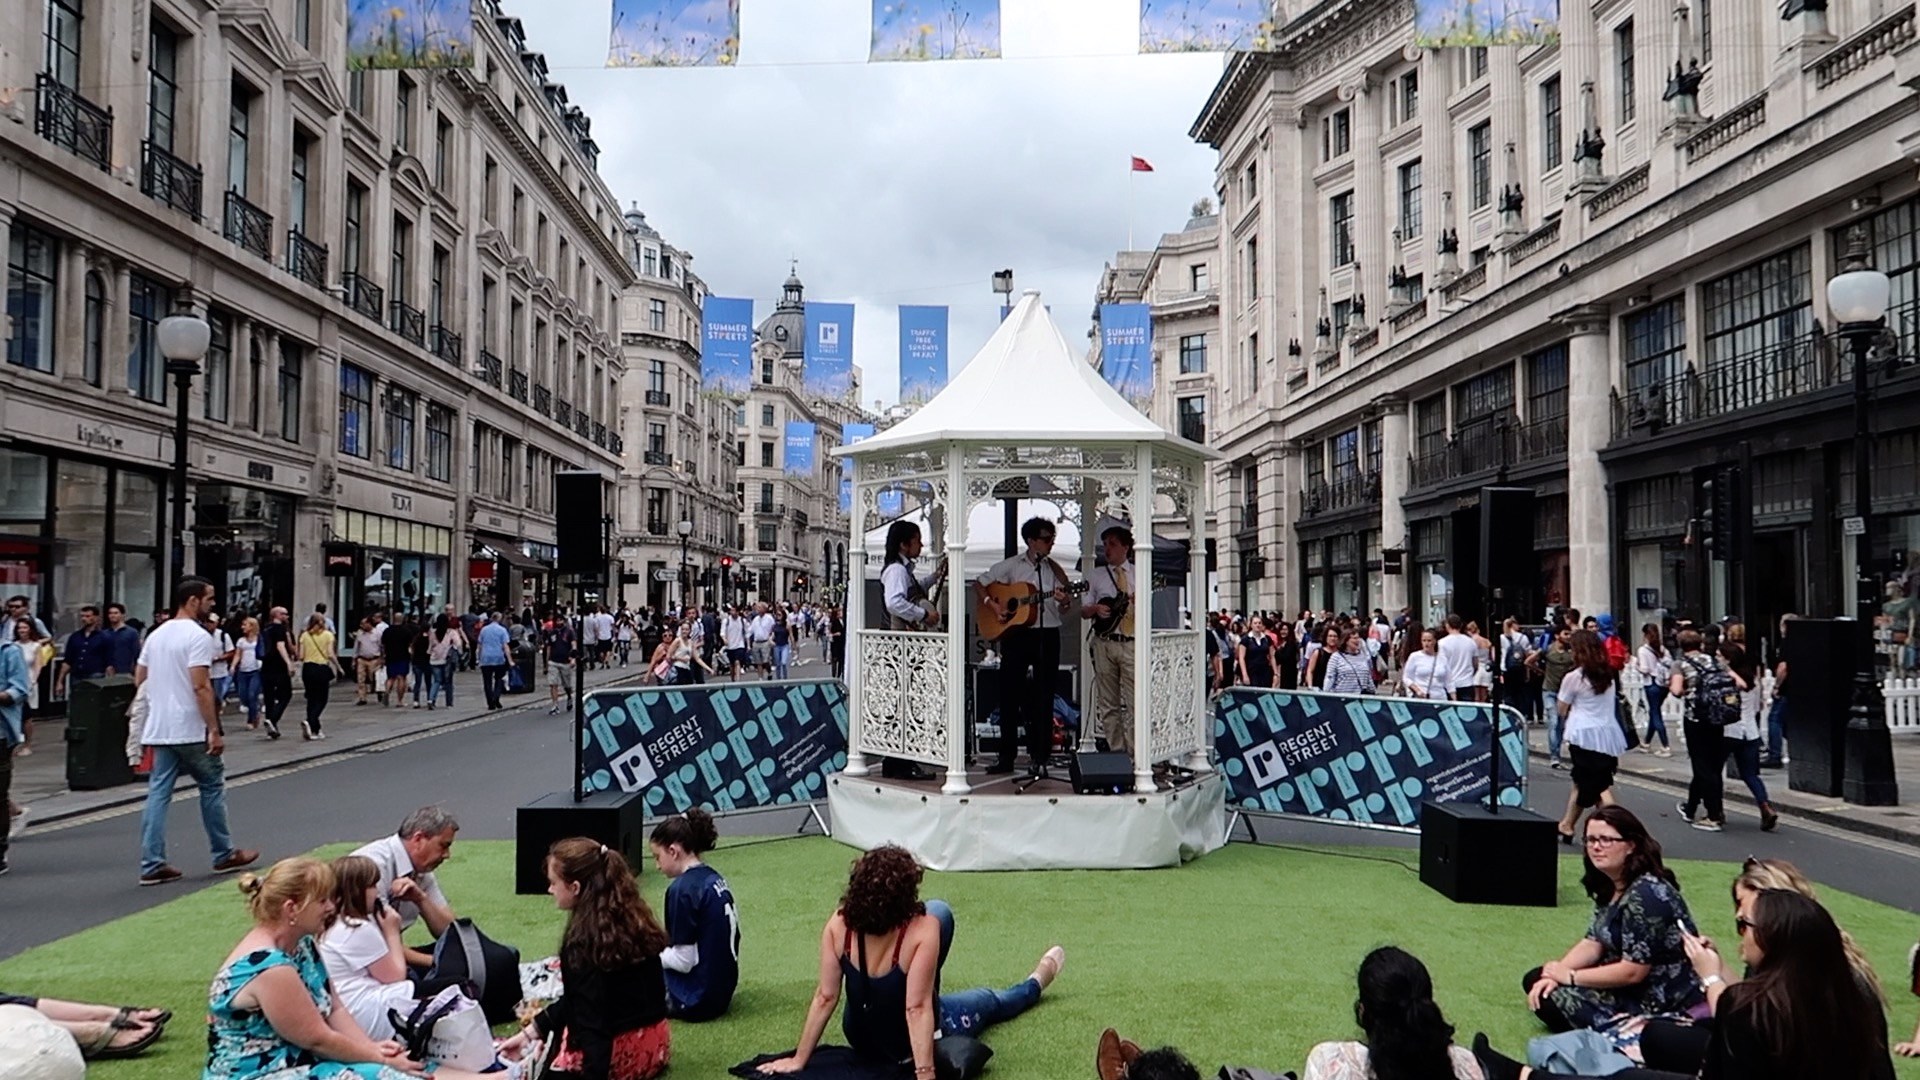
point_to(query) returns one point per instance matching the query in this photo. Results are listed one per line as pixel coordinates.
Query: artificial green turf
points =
(1246, 956)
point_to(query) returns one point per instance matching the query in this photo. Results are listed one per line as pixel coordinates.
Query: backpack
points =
(1715, 700)
(1616, 653)
(1516, 651)
(486, 969)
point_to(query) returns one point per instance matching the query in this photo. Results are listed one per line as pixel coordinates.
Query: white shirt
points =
(222, 645)
(249, 657)
(173, 710)
(390, 855)
(1022, 568)
(367, 645)
(733, 632)
(897, 582)
(1424, 670)
(1657, 667)
(762, 627)
(1590, 716)
(1349, 1061)
(1457, 655)
(603, 622)
(349, 948)
(589, 629)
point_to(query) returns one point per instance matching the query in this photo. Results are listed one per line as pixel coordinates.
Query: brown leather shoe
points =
(241, 857)
(1114, 1055)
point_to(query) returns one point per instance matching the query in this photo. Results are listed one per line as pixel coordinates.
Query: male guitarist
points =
(1109, 603)
(907, 609)
(1034, 647)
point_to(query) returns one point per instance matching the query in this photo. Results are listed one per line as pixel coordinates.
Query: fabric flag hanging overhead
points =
(1126, 352)
(829, 350)
(797, 448)
(850, 435)
(935, 30)
(675, 33)
(409, 34)
(726, 346)
(923, 352)
(1439, 24)
(1141, 164)
(1171, 26)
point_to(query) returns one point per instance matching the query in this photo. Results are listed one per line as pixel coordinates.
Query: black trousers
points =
(277, 684)
(1707, 751)
(1028, 702)
(317, 679)
(6, 797)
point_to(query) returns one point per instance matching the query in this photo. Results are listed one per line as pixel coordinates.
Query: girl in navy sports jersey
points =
(702, 958)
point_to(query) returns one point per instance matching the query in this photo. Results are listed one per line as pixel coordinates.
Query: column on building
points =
(6, 245)
(1371, 222)
(115, 361)
(1281, 589)
(1509, 89)
(1580, 62)
(1437, 152)
(70, 325)
(1589, 518)
(1396, 425)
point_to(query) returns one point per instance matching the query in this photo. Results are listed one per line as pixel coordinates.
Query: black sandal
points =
(102, 1048)
(124, 1019)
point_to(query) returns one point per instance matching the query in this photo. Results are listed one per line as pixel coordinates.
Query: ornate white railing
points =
(1177, 715)
(903, 694)
(1902, 695)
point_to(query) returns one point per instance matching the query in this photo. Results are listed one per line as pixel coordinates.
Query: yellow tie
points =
(1126, 620)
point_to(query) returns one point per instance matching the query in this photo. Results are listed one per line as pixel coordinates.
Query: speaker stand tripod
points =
(1021, 785)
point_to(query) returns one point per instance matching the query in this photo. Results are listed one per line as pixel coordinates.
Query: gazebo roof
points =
(1025, 387)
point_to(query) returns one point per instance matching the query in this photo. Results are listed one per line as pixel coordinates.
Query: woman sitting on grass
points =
(362, 949)
(703, 926)
(1407, 1037)
(1801, 1012)
(270, 1010)
(612, 1016)
(887, 947)
(101, 1031)
(1633, 962)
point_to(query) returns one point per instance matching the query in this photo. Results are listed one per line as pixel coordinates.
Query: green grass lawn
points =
(1246, 956)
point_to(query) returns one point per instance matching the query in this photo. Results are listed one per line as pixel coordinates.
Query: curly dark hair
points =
(610, 926)
(883, 891)
(1645, 859)
(1165, 1063)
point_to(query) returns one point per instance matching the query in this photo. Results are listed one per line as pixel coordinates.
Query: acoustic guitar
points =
(1014, 604)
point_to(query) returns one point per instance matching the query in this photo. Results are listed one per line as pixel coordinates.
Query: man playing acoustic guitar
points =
(1109, 603)
(1034, 645)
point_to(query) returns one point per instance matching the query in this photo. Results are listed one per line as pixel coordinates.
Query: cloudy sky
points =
(897, 183)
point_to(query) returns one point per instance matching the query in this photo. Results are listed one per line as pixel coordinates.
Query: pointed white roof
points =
(1026, 387)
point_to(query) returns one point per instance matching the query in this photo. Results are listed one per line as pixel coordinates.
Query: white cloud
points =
(897, 183)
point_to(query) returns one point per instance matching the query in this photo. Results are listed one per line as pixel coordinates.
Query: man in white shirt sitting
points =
(407, 860)
(1109, 602)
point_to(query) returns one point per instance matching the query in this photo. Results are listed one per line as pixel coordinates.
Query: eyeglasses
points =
(1602, 841)
(1742, 924)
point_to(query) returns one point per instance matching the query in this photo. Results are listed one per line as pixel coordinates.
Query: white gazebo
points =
(1026, 418)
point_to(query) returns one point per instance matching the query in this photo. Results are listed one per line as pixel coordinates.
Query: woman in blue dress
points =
(703, 926)
(270, 1011)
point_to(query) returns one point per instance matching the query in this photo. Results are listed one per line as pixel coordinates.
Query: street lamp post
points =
(184, 338)
(1857, 298)
(686, 586)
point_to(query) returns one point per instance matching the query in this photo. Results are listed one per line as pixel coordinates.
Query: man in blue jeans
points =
(183, 730)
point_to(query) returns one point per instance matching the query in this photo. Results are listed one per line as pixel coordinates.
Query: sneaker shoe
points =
(164, 875)
(306, 731)
(1708, 825)
(1685, 813)
(273, 729)
(1663, 752)
(4, 868)
(319, 736)
(239, 859)
(1556, 763)
(19, 823)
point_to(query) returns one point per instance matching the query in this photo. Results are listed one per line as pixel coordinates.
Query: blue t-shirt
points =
(493, 645)
(700, 911)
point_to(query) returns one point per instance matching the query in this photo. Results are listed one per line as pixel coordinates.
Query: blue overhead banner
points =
(719, 746)
(829, 354)
(923, 352)
(850, 435)
(726, 345)
(1362, 759)
(890, 503)
(1126, 352)
(674, 33)
(798, 457)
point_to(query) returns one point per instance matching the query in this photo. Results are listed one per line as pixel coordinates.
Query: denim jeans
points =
(1656, 724)
(782, 659)
(1556, 727)
(247, 685)
(970, 1012)
(169, 761)
(220, 686)
(442, 675)
(1776, 729)
(1746, 759)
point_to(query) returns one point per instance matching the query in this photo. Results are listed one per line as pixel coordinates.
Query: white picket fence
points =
(1901, 691)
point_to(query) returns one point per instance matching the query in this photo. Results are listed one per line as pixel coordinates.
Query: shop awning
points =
(523, 563)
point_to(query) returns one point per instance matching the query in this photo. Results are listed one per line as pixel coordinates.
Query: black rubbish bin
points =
(97, 733)
(524, 662)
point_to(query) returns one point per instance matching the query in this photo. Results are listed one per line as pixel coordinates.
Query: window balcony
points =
(1768, 376)
(306, 260)
(582, 423)
(407, 321)
(542, 400)
(448, 345)
(170, 180)
(563, 412)
(773, 508)
(1346, 492)
(249, 226)
(657, 528)
(66, 119)
(801, 520)
(517, 386)
(1542, 440)
(362, 295)
(658, 457)
(615, 443)
(599, 434)
(660, 397)
(489, 369)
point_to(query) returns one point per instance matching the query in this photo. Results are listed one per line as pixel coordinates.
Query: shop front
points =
(77, 530)
(511, 575)
(395, 565)
(244, 544)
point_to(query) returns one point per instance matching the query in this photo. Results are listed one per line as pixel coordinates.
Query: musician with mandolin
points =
(909, 607)
(1109, 603)
(1019, 604)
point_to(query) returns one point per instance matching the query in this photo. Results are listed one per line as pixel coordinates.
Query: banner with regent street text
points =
(935, 30)
(828, 363)
(923, 352)
(1175, 26)
(675, 33)
(850, 435)
(1126, 352)
(387, 34)
(726, 345)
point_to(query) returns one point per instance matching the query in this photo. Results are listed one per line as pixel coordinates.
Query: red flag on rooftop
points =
(1140, 165)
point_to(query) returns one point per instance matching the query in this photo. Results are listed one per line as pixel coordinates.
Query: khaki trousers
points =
(365, 673)
(1113, 692)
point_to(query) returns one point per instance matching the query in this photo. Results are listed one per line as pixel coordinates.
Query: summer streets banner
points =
(674, 33)
(1360, 759)
(409, 34)
(923, 352)
(935, 30)
(1168, 26)
(829, 352)
(721, 747)
(726, 345)
(1126, 352)
(850, 435)
(797, 448)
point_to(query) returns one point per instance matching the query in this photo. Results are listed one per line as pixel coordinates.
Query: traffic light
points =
(1724, 523)
(1710, 516)
(726, 562)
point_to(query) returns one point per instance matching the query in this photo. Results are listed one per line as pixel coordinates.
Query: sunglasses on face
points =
(1742, 924)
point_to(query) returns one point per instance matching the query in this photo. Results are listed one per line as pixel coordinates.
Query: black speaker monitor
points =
(1463, 561)
(615, 818)
(578, 529)
(1472, 856)
(1508, 565)
(1822, 657)
(1101, 774)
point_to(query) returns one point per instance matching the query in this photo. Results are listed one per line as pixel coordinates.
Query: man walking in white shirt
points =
(760, 639)
(733, 638)
(1458, 656)
(183, 728)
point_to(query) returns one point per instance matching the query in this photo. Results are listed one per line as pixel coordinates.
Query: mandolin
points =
(1015, 604)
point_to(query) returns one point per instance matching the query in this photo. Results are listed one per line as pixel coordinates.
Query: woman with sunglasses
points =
(1633, 960)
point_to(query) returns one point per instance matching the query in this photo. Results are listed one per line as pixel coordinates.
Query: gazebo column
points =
(856, 620)
(1140, 509)
(958, 512)
(1083, 642)
(1198, 761)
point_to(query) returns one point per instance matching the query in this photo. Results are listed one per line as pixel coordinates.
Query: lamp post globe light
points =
(184, 339)
(1857, 299)
(685, 528)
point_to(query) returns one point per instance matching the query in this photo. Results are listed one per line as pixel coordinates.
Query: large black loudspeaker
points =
(578, 531)
(1101, 774)
(1472, 856)
(1508, 565)
(1822, 656)
(614, 818)
(1463, 559)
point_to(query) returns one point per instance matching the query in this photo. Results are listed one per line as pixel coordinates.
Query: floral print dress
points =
(1643, 926)
(242, 1045)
